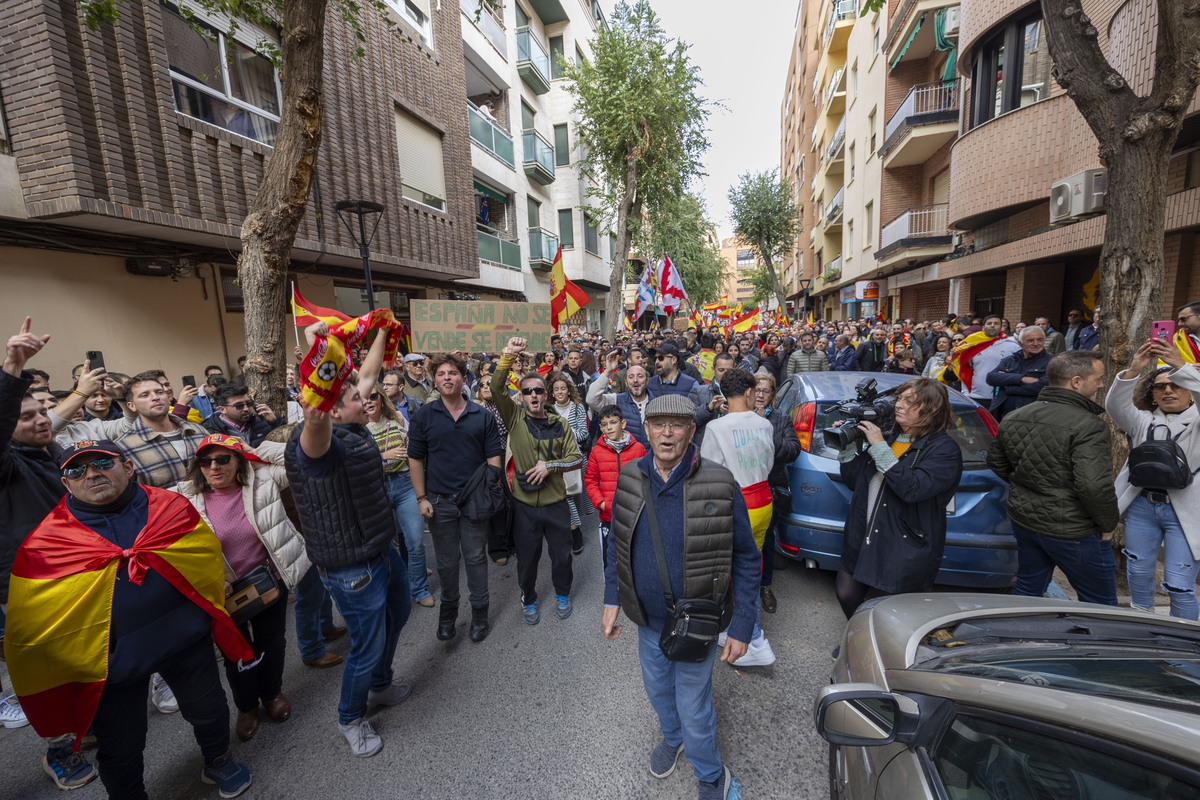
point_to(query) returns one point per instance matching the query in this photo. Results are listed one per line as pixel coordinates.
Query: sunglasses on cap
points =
(533, 390)
(207, 461)
(102, 464)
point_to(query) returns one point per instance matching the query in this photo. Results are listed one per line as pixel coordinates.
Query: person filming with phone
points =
(238, 415)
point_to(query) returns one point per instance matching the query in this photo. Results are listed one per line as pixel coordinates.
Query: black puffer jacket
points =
(1057, 454)
(344, 510)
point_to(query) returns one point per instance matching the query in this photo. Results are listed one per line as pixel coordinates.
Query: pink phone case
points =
(1163, 329)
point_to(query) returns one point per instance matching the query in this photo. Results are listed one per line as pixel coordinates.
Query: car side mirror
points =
(863, 715)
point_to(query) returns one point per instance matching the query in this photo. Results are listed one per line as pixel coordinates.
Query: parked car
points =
(978, 696)
(980, 549)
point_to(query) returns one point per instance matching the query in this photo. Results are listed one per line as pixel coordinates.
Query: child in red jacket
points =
(615, 449)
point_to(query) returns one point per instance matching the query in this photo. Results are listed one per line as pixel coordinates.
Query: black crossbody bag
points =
(693, 624)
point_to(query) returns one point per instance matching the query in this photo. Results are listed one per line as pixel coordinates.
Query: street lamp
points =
(346, 210)
(804, 284)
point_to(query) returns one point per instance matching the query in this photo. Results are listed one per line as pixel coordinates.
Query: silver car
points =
(973, 696)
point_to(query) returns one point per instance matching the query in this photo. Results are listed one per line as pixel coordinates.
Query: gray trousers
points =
(453, 534)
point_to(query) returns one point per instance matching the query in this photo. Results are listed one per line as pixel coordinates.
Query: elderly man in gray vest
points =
(710, 553)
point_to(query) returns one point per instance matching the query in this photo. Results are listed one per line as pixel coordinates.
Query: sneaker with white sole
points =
(563, 608)
(230, 777)
(11, 715)
(758, 654)
(391, 695)
(68, 769)
(364, 741)
(164, 698)
(532, 617)
(663, 759)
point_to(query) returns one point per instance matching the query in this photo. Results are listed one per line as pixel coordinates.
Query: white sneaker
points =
(759, 654)
(364, 741)
(11, 715)
(164, 698)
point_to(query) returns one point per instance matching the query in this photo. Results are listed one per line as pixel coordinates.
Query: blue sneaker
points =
(725, 788)
(564, 606)
(532, 617)
(230, 777)
(69, 770)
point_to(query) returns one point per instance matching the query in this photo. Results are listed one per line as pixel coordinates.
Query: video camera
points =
(868, 405)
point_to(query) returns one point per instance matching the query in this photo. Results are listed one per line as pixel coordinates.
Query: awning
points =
(944, 44)
(908, 42)
(489, 192)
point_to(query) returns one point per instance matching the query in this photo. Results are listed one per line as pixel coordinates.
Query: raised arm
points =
(369, 374)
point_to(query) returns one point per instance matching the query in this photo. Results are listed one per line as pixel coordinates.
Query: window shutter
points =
(420, 153)
(423, 6)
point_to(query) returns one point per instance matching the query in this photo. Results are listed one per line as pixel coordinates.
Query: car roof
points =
(840, 385)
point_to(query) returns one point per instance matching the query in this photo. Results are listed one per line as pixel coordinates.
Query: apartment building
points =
(528, 186)
(740, 261)
(130, 155)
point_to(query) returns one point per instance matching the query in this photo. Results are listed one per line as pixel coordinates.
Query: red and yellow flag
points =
(326, 366)
(959, 361)
(625, 324)
(60, 604)
(1187, 348)
(307, 313)
(565, 297)
(759, 506)
(745, 323)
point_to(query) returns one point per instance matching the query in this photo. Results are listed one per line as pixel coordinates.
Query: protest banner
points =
(441, 326)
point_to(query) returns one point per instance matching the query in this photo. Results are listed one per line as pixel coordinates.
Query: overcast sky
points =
(742, 50)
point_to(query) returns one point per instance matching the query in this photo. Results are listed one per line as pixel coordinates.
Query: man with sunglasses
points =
(1187, 333)
(543, 448)
(416, 385)
(238, 415)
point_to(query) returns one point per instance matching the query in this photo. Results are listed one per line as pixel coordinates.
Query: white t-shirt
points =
(987, 361)
(743, 443)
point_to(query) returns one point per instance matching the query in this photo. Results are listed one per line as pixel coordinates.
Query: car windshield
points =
(1114, 658)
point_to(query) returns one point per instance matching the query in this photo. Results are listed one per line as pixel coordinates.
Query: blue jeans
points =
(1149, 526)
(681, 695)
(314, 615)
(408, 516)
(1088, 563)
(375, 601)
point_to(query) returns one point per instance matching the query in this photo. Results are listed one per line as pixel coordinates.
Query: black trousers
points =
(532, 524)
(120, 722)
(266, 634)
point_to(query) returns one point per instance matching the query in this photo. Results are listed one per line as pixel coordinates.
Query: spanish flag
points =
(307, 313)
(60, 604)
(326, 366)
(565, 297)
(625, 324)
(1187, 348)
(959, 361)
(745, 323)
(759, 505)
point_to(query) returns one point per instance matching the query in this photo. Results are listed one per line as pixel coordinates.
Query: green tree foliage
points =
(679, 228)
(764, 216)
(642, 124)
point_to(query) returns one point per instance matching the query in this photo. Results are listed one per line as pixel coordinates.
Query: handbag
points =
(252, 593)
(1160, 464)
(694, 623)
(574, 480)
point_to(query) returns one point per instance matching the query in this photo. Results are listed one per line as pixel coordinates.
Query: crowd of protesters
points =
(332, 507)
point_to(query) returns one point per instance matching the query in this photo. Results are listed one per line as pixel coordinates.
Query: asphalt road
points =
(548, 711)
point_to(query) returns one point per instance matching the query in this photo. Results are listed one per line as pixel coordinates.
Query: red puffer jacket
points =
(603, 466)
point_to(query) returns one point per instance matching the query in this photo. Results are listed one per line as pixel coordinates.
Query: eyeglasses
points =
(373, 396)
(538, 390)
(101, 464)
(207, 461)
(1162, 386)
(762, 391)
(416, 363)
(241, 405)
(659, 426)
(1183, 320)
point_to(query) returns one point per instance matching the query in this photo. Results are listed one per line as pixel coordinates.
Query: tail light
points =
(803, 422)
(989, 421)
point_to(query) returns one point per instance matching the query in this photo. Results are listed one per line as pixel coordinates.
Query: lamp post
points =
(346, 211)
(804, 284)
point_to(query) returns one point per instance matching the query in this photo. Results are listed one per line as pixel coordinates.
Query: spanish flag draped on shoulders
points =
(958, 363)
(106, 600)
(1187, 346)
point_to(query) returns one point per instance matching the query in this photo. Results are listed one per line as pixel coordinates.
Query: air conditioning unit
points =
(952, 15)
(156, 267)
(1079, 196)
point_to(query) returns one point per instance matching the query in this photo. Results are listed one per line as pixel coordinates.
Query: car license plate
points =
(951, 506)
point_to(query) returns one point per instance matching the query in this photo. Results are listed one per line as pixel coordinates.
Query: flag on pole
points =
(745, 323)
(719, 305)
(307, 313)
(565, 297)
(625, 324)
(645, 294)
(671, 285)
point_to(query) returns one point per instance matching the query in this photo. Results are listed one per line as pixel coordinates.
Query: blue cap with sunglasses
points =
(74, 450)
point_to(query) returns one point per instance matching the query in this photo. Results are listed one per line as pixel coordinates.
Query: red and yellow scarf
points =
(60, 604)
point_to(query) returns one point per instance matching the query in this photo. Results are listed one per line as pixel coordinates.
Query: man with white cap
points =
(416, 385)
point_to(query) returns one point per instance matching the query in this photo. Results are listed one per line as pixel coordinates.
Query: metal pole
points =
(366, 258)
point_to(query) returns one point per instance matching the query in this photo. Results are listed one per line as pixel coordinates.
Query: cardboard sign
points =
(443, 326)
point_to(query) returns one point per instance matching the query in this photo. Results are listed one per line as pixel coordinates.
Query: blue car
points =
(981, 552)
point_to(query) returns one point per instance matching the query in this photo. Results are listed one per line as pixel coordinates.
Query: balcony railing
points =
(839, 139)
(533, 64)
(543, 246)
(498, 251)
(918, 222)
(833, 211)
(489, 22)
(925, 103)
(539, 157)
(490, 136)
(833, 270)
(842, 10)
(834, 84)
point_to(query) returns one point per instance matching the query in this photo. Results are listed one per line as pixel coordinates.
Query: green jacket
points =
(532, 440)
(1057, 454)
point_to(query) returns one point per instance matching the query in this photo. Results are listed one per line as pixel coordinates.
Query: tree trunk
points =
(776, 286)
(269, 230)
(616, 282)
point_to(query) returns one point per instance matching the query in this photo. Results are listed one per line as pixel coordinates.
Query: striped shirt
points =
(157, 461)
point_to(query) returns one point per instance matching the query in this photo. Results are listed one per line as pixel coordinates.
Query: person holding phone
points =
(238, 415)
(711, 400)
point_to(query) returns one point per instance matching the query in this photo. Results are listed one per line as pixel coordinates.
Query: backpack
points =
(1160, 464)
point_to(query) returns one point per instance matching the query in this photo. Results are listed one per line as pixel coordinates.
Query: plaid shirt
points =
(156, 461)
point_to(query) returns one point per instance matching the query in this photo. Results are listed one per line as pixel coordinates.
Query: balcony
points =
(543, 246)
(919, 234)
(924, 123)
(837, 30)
(833, 211)
(495, 250)
(490, 136)
(533, 64)
(490, 23)
(834, 151)
(911, 30)
(835, 92)
(832, 271)
(539, 158)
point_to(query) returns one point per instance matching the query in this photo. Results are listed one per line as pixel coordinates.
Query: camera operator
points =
(896, 528)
